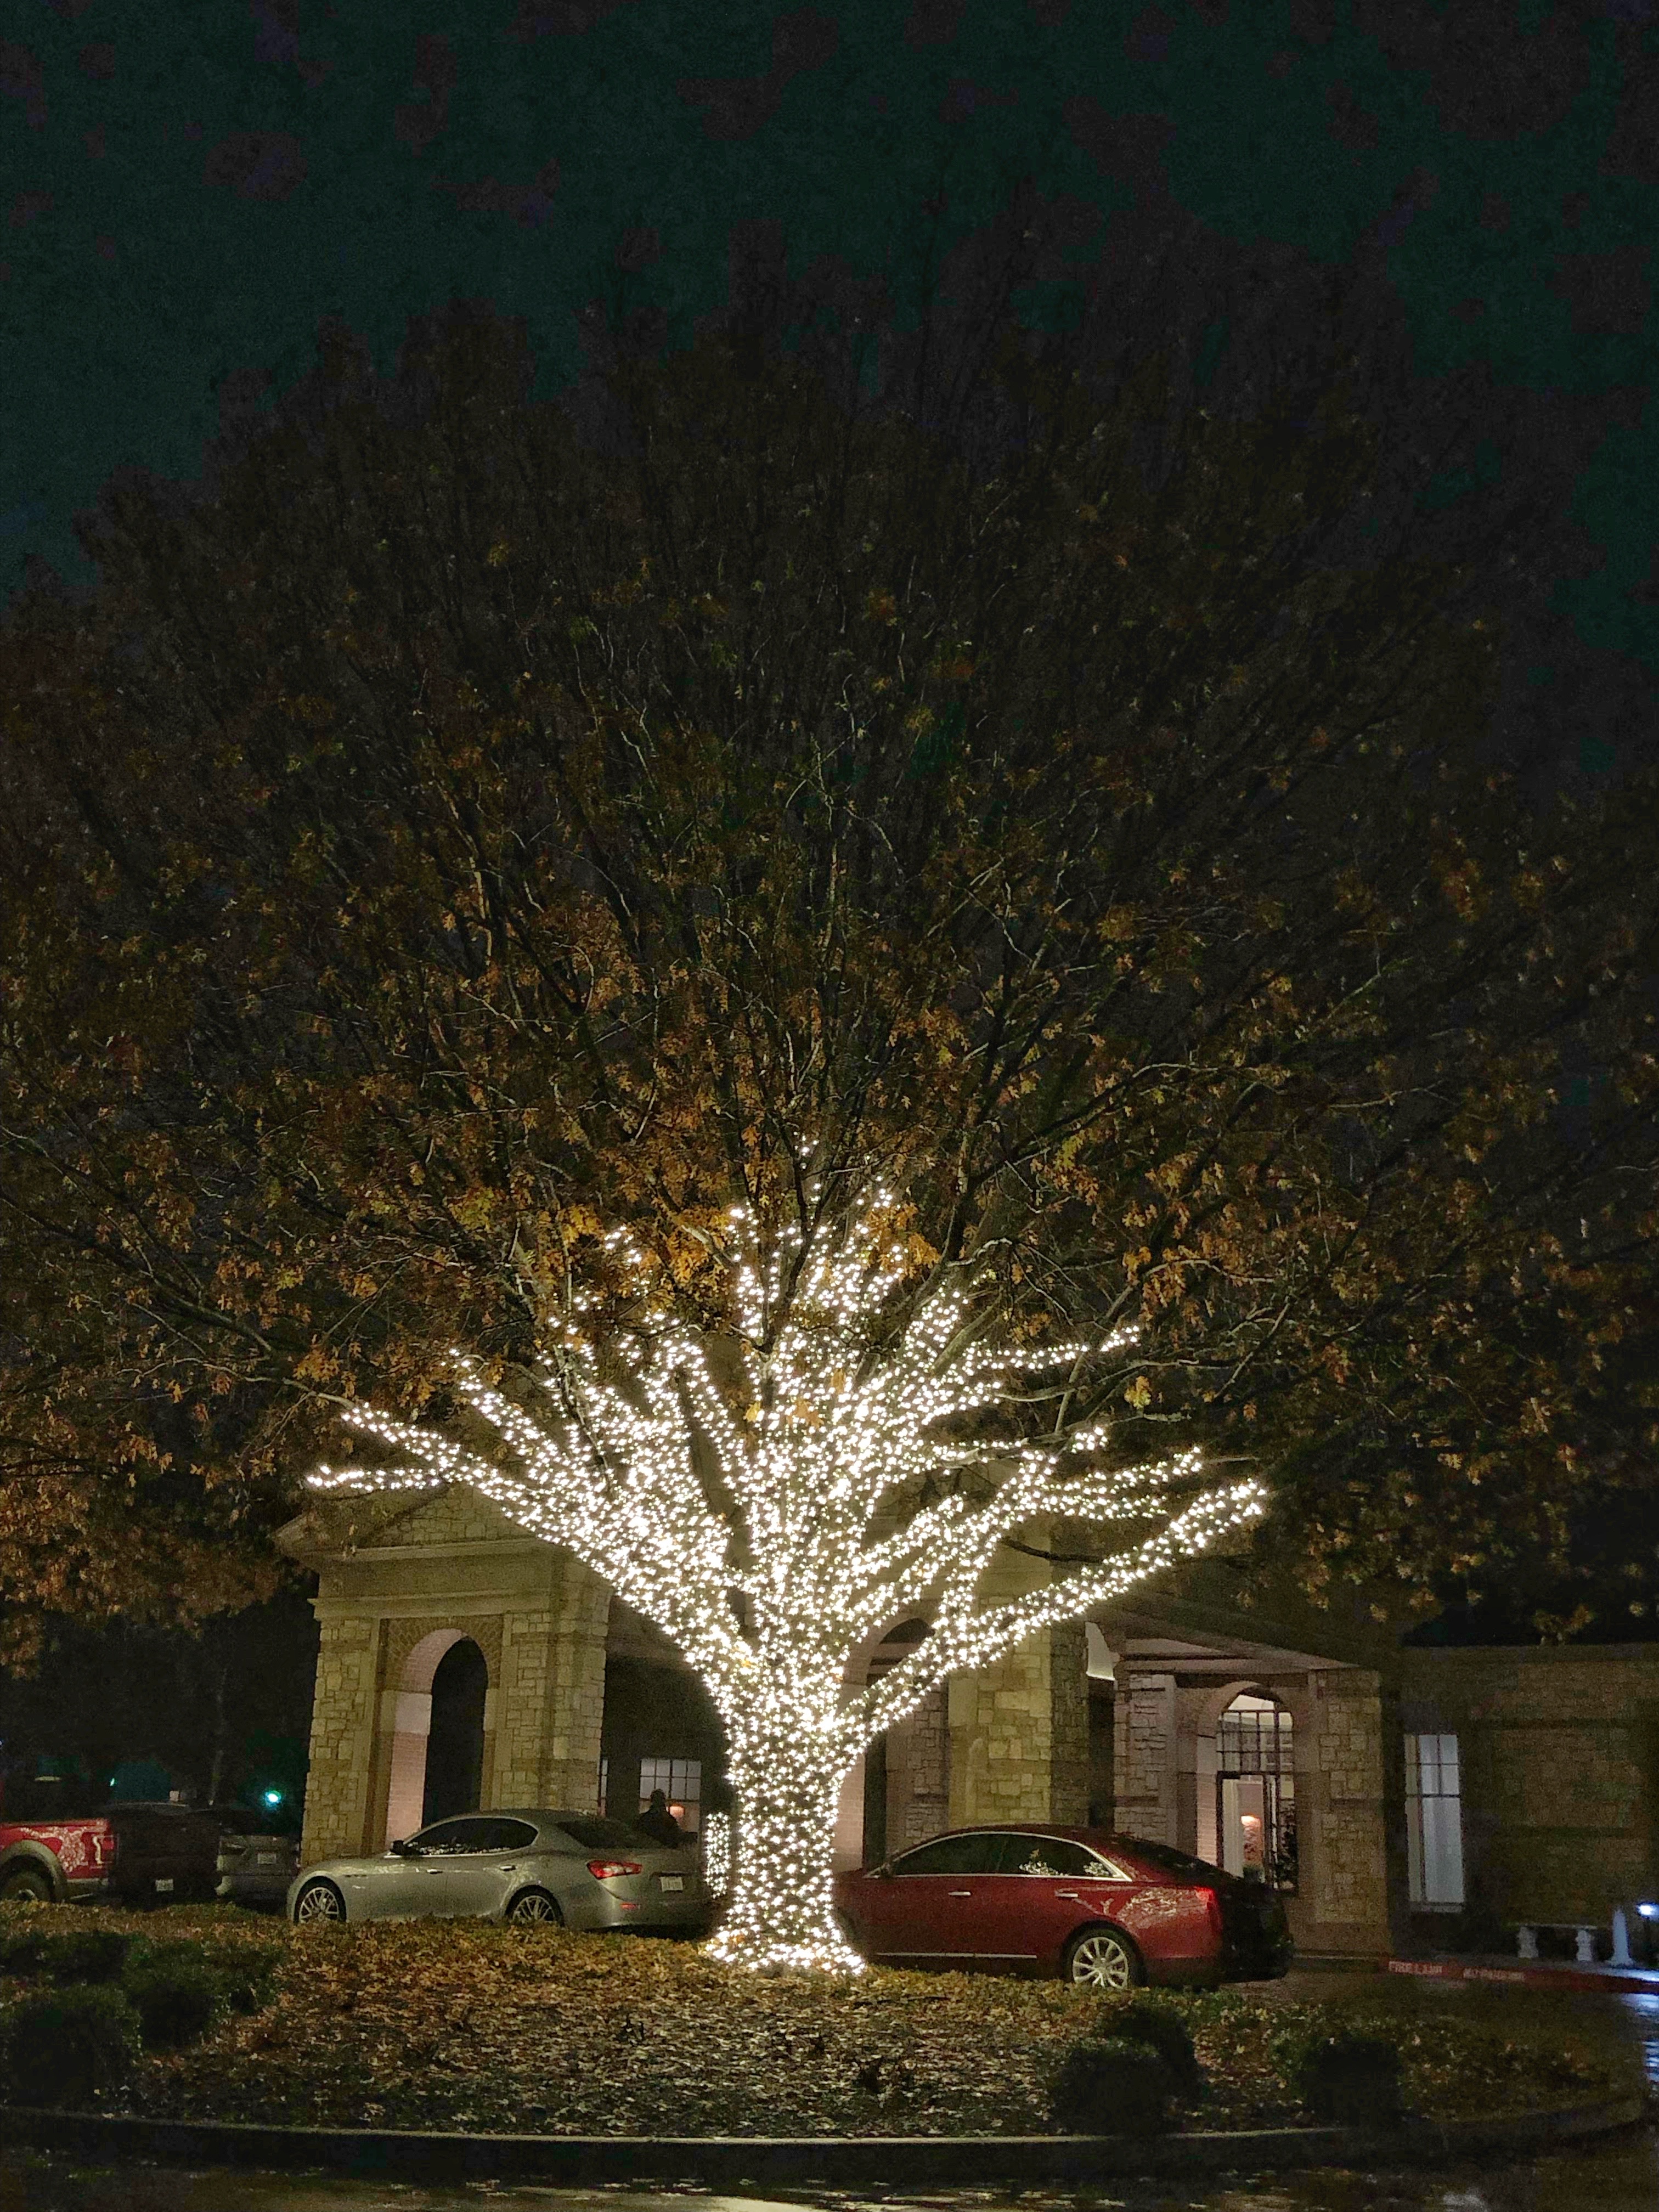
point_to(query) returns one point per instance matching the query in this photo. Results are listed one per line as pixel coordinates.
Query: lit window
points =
(1434, 1822)
(680, 1781)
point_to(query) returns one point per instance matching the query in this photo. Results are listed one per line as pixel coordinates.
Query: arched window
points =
(1255, 1782)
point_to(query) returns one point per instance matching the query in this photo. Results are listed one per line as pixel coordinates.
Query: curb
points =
(1602, 1981)
(859, 2161)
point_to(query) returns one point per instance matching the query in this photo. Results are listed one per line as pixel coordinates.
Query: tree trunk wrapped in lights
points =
(775, 1496)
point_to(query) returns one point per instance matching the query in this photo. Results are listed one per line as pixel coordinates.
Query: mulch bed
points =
(461, 2025)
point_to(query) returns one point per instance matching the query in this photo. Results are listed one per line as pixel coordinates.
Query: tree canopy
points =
(464, 834)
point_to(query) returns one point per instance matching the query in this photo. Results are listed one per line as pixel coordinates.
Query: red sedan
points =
(1102, 1909)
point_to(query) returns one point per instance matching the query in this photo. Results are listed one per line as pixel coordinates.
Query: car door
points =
(922, 1913)
(1046, 1888)
(498, 1863)
(449, 1870)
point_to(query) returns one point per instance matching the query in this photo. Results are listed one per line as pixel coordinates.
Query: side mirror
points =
(883, 1872)
(402, 1849)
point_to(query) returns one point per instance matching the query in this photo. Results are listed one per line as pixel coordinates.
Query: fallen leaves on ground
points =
(463, 2024)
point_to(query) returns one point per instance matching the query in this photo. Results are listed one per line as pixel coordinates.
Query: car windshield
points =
(594, 1834)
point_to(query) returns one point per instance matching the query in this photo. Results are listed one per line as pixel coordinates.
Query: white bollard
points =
(1527, 1943)
(1585, 1954)
(1621, 1956)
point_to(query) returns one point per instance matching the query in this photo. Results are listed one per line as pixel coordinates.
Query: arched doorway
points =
(437, 1743)
(1256, 1789)
(454, 1746)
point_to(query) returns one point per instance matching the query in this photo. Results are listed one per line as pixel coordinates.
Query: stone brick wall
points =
(1559, 1752)
(1069, 1725)
(550, 1711)
(1019, 1740)
(1144, 1755)
(919, 1773)
(456, 1516)
(343, 1733)
(1342, 1901)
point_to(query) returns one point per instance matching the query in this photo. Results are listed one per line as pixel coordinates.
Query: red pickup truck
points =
(127, 1854)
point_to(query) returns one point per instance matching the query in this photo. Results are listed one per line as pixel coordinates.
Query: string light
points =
(764, 1518)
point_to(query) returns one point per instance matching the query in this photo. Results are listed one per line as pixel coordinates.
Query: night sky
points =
(195, 191)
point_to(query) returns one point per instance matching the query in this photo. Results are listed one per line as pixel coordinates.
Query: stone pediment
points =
(460, 1515)
(392, 1520)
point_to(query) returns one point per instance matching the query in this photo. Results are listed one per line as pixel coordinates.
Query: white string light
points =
(765, 1518)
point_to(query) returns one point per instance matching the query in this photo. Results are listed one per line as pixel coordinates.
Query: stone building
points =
(1400, 1797)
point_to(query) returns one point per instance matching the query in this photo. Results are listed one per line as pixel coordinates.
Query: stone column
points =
(1144, 1755)
(1019, 1733)
(339, 1784)
(918, 1774)
(550, 1704)
(1342, 1901)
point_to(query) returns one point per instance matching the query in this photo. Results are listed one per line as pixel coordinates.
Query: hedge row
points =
(101, 1995)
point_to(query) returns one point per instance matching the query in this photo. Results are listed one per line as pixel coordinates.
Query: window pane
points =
(590, 1834)
(1168, 1860)
(508, 1836)
(1434, 1821)
(454, 1838)
(1048, 1854)
(975, 1854)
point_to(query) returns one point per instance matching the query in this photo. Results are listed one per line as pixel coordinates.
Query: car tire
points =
(318, 1904)
(534, 1908)
(1102, 1958)
(27, 1885)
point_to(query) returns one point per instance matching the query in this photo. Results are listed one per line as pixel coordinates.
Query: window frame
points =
(1446, 1850)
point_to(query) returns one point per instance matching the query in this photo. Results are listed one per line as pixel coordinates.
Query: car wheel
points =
(534, 1908)
(318, 1901)
(27, 1885)
(1101, 1959)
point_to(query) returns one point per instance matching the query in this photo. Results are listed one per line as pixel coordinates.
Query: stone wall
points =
(342, 1734)
(1558, 1747)
(1342, 1807)
(919, 1773)
(551, 1707)
(1144, 1755)
(1019, 1733)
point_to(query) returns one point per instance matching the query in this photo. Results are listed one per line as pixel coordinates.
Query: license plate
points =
(672, 1881)
(163, 1885)
(268, 1858)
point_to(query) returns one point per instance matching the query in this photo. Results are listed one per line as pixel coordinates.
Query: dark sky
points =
(193, 188)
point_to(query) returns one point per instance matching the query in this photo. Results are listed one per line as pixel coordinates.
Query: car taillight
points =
(603, 1869)
(1213, 1909)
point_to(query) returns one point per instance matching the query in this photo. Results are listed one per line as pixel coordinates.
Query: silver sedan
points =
(564, 1869)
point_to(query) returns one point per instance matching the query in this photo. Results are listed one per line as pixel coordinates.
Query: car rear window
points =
(1168, 1860)
(593, 1834)
(237, 1821)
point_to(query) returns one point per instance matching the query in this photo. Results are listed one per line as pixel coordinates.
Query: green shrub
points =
(22, 1949)
(60, 2046)
(1163, 2029)
(85, 1954)
(1349, 2080)
(245, 1984)
(175, 2001)
(1112, 2088)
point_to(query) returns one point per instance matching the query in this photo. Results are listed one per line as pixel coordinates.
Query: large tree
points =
(461, 841)
(776, 1493)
